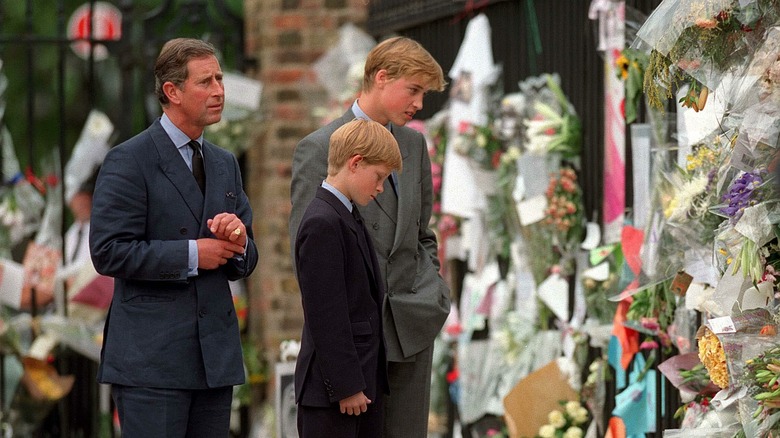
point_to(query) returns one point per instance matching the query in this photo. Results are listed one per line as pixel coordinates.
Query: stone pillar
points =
(285, 37)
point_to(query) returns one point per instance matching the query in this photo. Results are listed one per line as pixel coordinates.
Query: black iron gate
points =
(51, 90)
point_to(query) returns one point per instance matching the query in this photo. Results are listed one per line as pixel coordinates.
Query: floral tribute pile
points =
(710, 249)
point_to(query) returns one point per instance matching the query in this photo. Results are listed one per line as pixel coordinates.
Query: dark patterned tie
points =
(356, 214)
(197, 166)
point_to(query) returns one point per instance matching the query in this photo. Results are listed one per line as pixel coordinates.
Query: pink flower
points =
(648, 345)
(650, 323)
(436, 179)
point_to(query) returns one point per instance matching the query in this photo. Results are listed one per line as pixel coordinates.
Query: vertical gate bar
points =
(61, 51)
(91, 59)
(30, 86)
(126, 61)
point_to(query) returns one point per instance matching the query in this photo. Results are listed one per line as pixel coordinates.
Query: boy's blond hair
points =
(403, 58)
(366, 138)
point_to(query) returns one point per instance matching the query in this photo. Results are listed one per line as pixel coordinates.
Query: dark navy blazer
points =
(342, 346)
(163, 328)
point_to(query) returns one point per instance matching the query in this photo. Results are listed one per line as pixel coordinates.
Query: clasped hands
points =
(230, 240)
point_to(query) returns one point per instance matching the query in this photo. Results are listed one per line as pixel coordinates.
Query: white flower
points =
(538, 145)
(547, 431)
(581, 416)
(686, 196)
(572, 407)
(573, 432)
(556, 419)
(537, 127)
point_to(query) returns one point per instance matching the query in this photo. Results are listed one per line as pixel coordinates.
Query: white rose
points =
(580, 416)
(572, 407)
(556, 419)
(547, 431)
(573, 432)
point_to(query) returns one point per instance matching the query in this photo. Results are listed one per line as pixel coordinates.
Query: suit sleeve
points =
(309, 169)
(426, 235)
(322, 279)
(118, 226)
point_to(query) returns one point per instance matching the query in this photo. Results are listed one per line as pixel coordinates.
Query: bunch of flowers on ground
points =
(568, 422)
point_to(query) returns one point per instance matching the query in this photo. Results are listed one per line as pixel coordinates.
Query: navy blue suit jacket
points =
(165, 329)
(342, 346)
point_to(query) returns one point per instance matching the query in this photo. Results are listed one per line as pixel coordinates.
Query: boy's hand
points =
(354, 404)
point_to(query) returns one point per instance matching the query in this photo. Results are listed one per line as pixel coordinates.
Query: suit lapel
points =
(176, 170)
(406, 188)
(360, 236)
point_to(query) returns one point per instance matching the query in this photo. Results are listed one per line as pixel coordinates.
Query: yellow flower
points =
(622, 63)
(713, 358)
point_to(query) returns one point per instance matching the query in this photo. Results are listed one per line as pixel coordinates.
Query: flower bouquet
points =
(568, 422)
(554, 126)
(564, 220)
(700, 42)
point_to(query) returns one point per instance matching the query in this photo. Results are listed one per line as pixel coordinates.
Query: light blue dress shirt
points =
(181, 140)
(344, 200)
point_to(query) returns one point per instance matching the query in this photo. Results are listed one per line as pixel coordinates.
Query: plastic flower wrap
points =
(554, 126)
(701, 41)
(568, 422)
(691, 193)
(21, 205)
(726, 343)
(513, 336)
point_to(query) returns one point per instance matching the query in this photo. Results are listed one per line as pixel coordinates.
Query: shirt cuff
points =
(192, 259)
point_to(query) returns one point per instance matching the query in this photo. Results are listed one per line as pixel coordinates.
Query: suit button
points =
(390, 293)
(202, 313)
(375, 226)
(182, 231)
(414, 290)
(390, 260)
(416, 255)
(418, 222)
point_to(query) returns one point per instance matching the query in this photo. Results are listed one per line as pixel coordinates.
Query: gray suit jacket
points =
(415, 306)
(164, 329)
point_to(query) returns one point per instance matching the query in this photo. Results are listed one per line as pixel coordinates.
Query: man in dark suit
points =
(172, 224)
(341, 371)
(398, 73)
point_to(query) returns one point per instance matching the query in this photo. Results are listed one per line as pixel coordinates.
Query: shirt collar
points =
(178, 138)
(344, 200)
(360, 114)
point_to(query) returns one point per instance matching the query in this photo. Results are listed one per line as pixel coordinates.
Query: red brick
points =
(291, 21)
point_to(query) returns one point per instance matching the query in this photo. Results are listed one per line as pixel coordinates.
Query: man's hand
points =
(227, 226)
(213, 253)
(354, 404)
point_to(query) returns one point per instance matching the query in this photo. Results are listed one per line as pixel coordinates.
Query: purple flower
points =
(742, 194)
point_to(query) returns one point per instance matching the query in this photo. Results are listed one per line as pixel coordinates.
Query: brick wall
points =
(286, 37)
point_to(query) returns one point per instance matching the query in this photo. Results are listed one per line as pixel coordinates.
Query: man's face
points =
(401, 98)
(203, 94)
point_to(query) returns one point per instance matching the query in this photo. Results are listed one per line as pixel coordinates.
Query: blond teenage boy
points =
(398, 73)
(341, 370)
